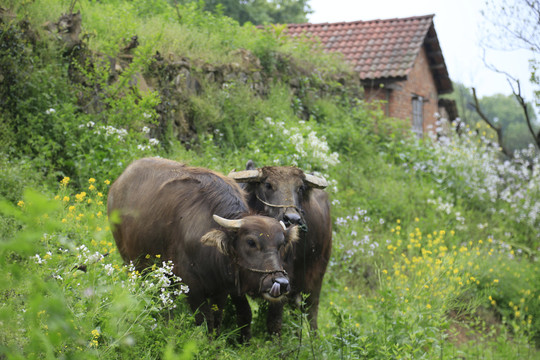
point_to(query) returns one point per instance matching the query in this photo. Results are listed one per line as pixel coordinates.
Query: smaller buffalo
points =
(288, 194)
(199, 220)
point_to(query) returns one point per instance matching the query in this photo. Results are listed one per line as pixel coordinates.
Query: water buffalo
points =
(198, 219)
(290, 195)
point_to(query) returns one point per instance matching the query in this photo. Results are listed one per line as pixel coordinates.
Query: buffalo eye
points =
(268, 186)
(251, 243)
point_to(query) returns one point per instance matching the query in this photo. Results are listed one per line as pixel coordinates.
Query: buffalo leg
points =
(243, 316)
(199, 305)
(218, 303)
(312, 304)
(274, 318)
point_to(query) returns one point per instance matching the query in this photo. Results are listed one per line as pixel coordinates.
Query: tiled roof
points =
(382, 48)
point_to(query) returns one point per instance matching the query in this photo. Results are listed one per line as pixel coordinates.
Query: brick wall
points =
(420, 83)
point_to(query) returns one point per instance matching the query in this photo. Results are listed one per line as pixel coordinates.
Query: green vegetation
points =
(503, 111)
(435, 248)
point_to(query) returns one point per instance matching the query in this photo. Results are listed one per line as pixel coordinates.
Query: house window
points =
(418, 115)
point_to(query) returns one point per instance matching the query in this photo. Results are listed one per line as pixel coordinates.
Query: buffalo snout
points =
(292, 219)
(275, 287)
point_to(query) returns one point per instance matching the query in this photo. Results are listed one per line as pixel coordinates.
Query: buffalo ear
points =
(216, 238)
(292, 234)
(250, 165)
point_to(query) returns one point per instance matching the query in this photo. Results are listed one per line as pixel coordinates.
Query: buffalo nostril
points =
(292, 218)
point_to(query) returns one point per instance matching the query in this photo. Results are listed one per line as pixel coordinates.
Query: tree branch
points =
(523, 105)
(498, 130)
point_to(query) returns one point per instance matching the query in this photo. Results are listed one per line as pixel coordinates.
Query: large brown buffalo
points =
(290, 195)
(198, 219)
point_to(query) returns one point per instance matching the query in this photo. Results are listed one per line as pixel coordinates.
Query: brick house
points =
(399, 61)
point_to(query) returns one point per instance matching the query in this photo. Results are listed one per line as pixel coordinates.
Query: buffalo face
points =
(278, 191)
(258, 247)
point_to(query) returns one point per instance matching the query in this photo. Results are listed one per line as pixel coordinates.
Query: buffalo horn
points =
(245, 175)
(229, 224)
(316, 182)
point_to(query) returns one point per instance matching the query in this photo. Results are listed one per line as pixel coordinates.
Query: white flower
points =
(50, 111)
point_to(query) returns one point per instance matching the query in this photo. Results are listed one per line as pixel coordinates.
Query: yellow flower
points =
(428, 306)
(91, 180)
(64, 220)
(65, 199)
(398, 221)
(496, 281)
(65, 181)
(416, 219)
(158, 256)
(91, 187)
(20, 203)
(99, 194)
(71, 208)
(80, 197)
(107, 182)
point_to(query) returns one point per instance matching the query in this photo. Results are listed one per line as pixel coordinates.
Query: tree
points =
(496, 115)
(261, 11)
(511, 25)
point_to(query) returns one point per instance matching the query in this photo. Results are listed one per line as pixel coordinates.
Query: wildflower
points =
(80, 197)
(71, 208)
(496, 281)
(91, 187)
(107, 182)
(65, 181)
(99, 194)
(20, 203)
(91, 180)
(428, 306)
(65, 199)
